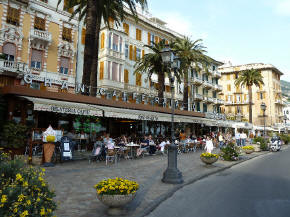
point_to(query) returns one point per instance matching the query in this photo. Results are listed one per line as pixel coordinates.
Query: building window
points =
(9, 50)
(45, 1)
(261, 96)
(66, 34)
(64, 65)
(66, 6)
(138, 34)
(214, 94)
(228, 77)
(204, 107)
(152, 37)
(115, 42)
(126, 76)
(229, 87)
(120, 44)
(213, 68)
(138, 53)
(102, 40)
(13, 16)
(238, 98)
(83, 36)
(111, 22)
(126, 28)
(36, 59)
(126, 51)
(115, 72)
(138, 79)
(102, 70)
(39, 23)
(198, 106)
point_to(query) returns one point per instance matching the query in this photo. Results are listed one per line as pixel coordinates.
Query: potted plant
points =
(116, 193)
(208, 158)
(230, 152)
(248, 149)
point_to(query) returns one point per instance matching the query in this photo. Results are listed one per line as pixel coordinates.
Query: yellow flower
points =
(4, 198)
(15, 210)
(25, 184)
(18, 177)
(25, 213)
(28, 202)
(21, 197)
(42, 211)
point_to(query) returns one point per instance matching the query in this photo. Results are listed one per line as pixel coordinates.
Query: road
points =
(255, 188)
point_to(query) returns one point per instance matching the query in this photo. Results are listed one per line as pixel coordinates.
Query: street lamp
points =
(285, 119)
(263, 107)
(171, 175)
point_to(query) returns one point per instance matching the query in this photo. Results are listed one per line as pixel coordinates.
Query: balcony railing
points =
(112, 53)
(217, 74)
(219, 101)
(207, 84)
(196, 80)
(40, 35)
(197, 96)
(13, 66)
(210, 100)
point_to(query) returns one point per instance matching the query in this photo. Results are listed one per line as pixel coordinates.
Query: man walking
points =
(238, 138)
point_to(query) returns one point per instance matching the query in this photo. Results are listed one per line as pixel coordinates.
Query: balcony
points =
(207, 84)
(219, 101)
(210, 100)
(279, 102)
(141, 90)
(14, 67)
(44, 36)
(217, 74)
(196, 80)
(111, 53)
(197, 97)
(219, 88)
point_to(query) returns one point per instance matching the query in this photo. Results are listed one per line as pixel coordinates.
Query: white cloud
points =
(181, 24)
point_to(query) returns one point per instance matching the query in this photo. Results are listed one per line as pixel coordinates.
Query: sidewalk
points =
(74, 181)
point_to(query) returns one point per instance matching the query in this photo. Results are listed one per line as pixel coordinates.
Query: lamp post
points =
(171, 175)
(263, 107)
(285, 119)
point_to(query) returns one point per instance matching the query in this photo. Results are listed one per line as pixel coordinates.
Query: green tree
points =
(248, 78)
(191, 55)
(152, 63)
(93, 12)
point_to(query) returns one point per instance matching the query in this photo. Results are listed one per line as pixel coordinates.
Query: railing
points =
(198, 96)
(13, 66)
(210, 99)
(39, 34)
(207, 84)
(197, 80)
(219, 101)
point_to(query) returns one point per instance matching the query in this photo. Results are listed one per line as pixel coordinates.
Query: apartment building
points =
(120, 48)
(237, 100)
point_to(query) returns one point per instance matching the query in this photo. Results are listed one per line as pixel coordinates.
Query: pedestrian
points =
(243, 138)
(238, 138)
(251, 137)
(221, 140)
(208, 145)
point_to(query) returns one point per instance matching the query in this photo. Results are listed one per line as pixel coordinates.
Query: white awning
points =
(64, 107)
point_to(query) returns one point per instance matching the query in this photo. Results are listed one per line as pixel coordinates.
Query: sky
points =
(240, 31)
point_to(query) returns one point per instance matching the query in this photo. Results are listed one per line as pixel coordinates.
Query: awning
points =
(64, 107)
(41, 104)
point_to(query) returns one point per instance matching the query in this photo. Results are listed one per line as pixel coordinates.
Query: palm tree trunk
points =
(94, 67)
(161, 80)
(250, 104)
(89, 51)
(185, 92)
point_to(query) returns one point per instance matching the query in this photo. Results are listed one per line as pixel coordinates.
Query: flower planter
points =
(208, 161)
(249, 151)
(115, 202)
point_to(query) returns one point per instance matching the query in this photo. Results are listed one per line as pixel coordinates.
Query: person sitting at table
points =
(83, 139)
(144, 145)
(123, 141)
(152, 146)
(110, 145)
(107, 139)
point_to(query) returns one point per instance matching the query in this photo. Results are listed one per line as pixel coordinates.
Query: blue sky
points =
(240, 31)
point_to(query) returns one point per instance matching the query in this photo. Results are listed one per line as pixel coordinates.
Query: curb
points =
(167, 195)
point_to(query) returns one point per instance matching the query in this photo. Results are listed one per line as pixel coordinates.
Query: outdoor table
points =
(131, 146)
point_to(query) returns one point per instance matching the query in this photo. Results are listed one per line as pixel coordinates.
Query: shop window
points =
(126, 76)
(67, 34)
(115, 72)
(83, 36)
(9, 50)
(138, 34)
(66, 6)
(39, 23)
(35, 85)
(126, 28)
(13, 16)
(102, 40)
(36, 59)
(64, 65)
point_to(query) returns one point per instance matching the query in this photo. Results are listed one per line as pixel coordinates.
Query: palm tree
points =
(93, 12)
(152, 63)
(191, 54)
(249, 78)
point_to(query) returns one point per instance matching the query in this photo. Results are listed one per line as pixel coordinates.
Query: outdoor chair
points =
(111, 156)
